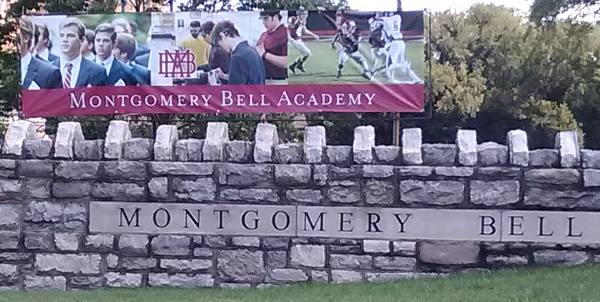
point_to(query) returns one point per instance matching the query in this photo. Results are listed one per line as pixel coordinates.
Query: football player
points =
(377, 40)
(349, 40)
(396, 48)
(297, 29)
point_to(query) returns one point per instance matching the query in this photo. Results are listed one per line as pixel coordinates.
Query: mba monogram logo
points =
(176, 64)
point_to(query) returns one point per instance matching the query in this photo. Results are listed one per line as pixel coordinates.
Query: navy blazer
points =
(140, 49)
(90, 73)
(143, 59)
(52, 57)
(45, 75)
(119, 72)
(140, 73)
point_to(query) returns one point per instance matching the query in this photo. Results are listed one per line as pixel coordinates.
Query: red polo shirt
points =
(275, 43)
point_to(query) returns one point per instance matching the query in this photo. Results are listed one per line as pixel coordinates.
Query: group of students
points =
(106, 56)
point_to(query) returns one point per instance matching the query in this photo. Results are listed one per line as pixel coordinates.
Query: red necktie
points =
(67, 80)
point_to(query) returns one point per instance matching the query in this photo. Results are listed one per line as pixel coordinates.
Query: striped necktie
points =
(67, 80)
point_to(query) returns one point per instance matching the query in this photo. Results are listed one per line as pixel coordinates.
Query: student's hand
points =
(261, 50)
(221, 74)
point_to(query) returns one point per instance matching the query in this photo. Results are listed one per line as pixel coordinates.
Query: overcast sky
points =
(434, 5)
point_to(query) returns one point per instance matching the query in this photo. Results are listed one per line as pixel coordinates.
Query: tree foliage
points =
(548, 10)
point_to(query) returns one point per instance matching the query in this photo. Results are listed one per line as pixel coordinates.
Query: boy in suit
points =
(124, 50)
(35, 73)
(104, 42)
(42, 50)
(77, 71)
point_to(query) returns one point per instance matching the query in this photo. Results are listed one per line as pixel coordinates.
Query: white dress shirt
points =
(107, 64)
(45, 54)
(74, 70)
(25, 61)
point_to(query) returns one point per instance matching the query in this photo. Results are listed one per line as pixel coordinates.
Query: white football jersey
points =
(374, 24)
(392, 27)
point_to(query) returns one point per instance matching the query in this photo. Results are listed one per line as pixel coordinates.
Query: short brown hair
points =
(126, 43)
(74, 22)
(27, 29)
(43, 30)
(107, 28)
(225, 27)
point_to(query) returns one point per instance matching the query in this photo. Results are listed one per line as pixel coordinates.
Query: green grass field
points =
(527, 285)
(321, 67)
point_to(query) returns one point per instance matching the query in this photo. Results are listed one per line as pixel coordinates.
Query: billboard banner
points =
(224, 62)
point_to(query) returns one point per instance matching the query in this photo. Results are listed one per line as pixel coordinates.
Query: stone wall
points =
(46, 188)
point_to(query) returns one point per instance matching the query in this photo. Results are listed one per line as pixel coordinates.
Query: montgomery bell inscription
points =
(345, 222)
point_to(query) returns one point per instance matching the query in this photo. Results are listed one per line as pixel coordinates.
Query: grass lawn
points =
(321, 67)
(528, 285)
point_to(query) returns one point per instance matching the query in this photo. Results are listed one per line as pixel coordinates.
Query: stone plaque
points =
(388, 223)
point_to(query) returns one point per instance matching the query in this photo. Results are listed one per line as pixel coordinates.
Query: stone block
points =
(180, 280)
(181, 168)
(495, 193)
(275, 242)
(245, 175)
(77, 170)
(379, 192)
(377, 171)
(591, 178)
(518, 149)
(37, 148)
(137, 263)
(492, 154)
(249, 195)
(123, 280)
(38, 241)
(17, 133)
(9, 164)
(68, 263)
(445, 192)
(363, 144)
(38, 187)
(99, 242)
(202, 252)
(245, 241)
(66, 241)
(288, 275)
(45, 283)
(308, 255)
(116, 136)
(241, 266)
(238, 151)
(304, 196)
(510, 260)
(293, 174)
(343, 173)
(412, 146)
(276, 258)
(404, 247)
(387, 154)
(552, 198)
(265, 139)
(124, 170)
(412, 171)
(71, 189)
(171, 245)
(180, 265)
(338, 154)
(138, 149)
(320, 174)
(319, 276)
(395, 263)
(189, 149)
(439, 154)
(112, 261)
(567, 144)
(43, 211)
(119, 191)
(345, 276)
(164, 145)
(553, 177)
(466, 141)
(449, 253)
(346, 191)
(89, 150)
(544, 158)
(133, 244)
(67, 135)
(454, 171)
(217, 134)
(35, 168)
(288, 153)
(314, 144)
(376, 246)
(9, 240)
(499, 172)
(9, 216)
(9, 273)
(159, 188)
(590, 159)
(201, 189)
(341, 261)
(564, 257)
(87, 282)
(215, 241)
(390, 277)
